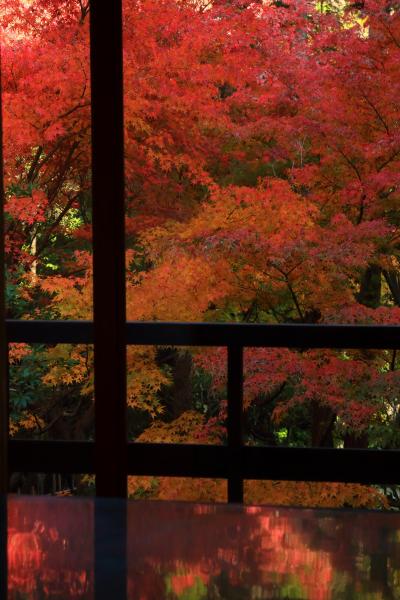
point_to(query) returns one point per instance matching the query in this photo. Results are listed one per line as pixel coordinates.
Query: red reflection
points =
(216, 549)
(50, 549)
(232, 552)
(178, 551)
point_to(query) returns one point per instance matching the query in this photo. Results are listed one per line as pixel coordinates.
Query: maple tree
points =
(265, 193)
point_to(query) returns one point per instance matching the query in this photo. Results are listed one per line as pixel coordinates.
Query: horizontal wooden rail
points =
(235, 462)
(188, 460)
(213, 334)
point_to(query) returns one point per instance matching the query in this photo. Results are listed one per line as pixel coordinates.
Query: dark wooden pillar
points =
(108, 247)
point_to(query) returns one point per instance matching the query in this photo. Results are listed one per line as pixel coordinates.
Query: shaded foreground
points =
(199, 552)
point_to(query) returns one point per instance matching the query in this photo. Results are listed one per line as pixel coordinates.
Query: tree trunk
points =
(356, 440)
(322, 425)
(179, 397)
(371, 287)
(393, 280)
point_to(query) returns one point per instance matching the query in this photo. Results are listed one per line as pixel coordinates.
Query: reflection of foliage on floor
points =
(185, 586)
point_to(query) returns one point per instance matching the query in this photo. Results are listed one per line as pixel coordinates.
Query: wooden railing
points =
(234, 461)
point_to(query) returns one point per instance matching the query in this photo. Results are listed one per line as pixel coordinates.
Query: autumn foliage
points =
(262, 145)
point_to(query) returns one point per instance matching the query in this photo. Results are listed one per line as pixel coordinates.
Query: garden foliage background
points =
(262, 155)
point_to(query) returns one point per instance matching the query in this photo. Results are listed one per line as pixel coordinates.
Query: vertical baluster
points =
(235, 422)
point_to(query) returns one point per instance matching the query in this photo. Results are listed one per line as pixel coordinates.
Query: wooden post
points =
(108, 247)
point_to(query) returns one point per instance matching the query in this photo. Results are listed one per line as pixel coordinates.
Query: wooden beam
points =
(108, 247)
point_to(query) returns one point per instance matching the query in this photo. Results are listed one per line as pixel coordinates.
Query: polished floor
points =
(70, 548)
